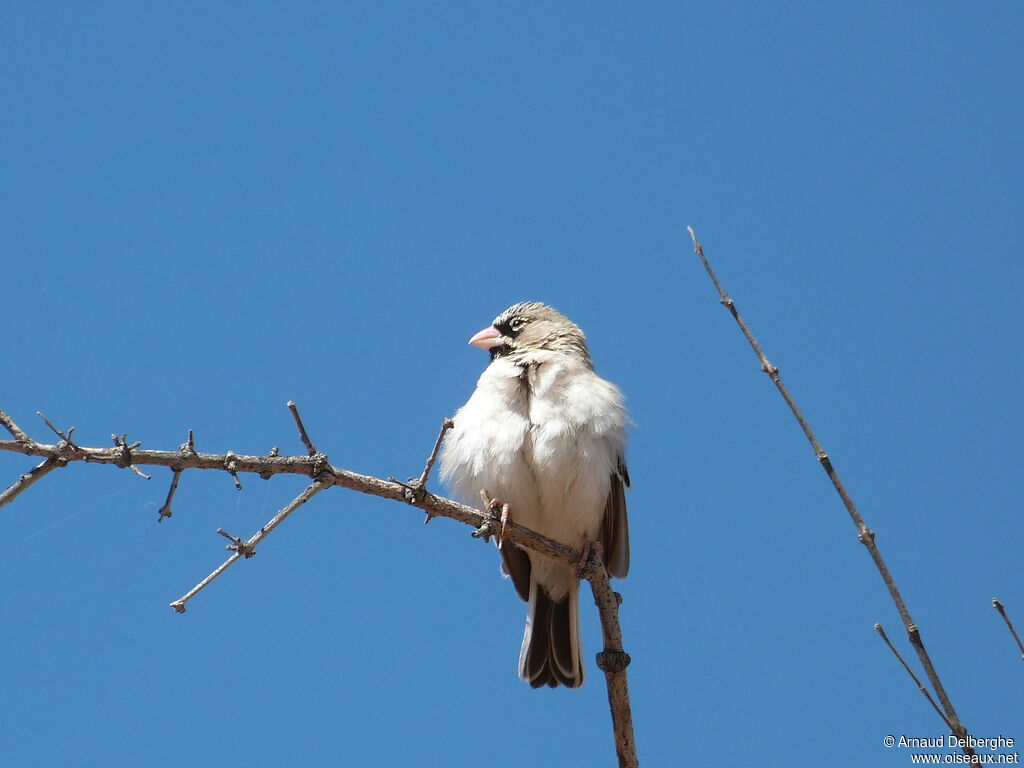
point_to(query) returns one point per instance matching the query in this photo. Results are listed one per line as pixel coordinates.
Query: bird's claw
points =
(505, 516)
(586, 553)
(490, 526)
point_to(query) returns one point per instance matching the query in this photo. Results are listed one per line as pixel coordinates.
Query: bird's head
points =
(530, 326)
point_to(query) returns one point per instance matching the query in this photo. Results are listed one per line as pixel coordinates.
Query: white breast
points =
(547, 444)
(489, 446)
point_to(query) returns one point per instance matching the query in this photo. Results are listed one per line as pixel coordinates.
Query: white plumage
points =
(545, 434)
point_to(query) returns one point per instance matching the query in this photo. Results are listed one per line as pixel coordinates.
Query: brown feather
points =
(516, 565)
(615, 525)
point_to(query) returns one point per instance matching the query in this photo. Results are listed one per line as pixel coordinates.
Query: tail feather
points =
(551, 653)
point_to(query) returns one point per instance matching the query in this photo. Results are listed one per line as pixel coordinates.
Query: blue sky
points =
(210, 209)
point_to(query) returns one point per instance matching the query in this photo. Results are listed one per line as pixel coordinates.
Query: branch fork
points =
(414, 490)
(65, 438)
(241, 547)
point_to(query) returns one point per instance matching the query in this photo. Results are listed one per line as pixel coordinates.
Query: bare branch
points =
(248, 548)
(920, 685)
(613, 660)
(437, 506)
(302, 428)
(445, 426)
(864, 534)
(23, 482)
(13, 428)
(66, 438)
(237, 545)
(416, 488)
(179, 604)
(1002, 612)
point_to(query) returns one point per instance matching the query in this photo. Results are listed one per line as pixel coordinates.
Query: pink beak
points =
(487, 338)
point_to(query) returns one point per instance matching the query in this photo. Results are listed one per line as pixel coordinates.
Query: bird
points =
(546, 435)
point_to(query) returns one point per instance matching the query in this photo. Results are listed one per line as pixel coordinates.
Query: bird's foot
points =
(494, 524)
(591, 559)
(586, 551)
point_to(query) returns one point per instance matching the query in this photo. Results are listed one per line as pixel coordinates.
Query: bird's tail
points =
(552, 652)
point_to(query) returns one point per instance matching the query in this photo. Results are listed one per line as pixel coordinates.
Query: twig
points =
(179, 605)
(165, 510)
(23, 482)
(612, 660)
(13, 428)
(302, 428)
(920, 685)
(864, 534)
(1002, 612)
(248, 548)
(445, 426)
(237, 545)
(231, 466)
(66, 438)
(416, 488)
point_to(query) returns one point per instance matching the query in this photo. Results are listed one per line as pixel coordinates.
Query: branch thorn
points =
(232, 468)
(165, 510)
(126, 453)
(301, 427)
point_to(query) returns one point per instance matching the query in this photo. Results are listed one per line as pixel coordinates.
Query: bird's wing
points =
(615, 524)
(516, 564)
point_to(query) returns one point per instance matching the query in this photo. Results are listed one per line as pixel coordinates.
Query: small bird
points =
(545, 434)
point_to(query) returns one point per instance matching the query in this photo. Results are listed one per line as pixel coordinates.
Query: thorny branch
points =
(864, 534)
(612, 660)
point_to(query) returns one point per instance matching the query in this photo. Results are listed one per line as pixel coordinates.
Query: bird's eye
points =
(516, 325)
